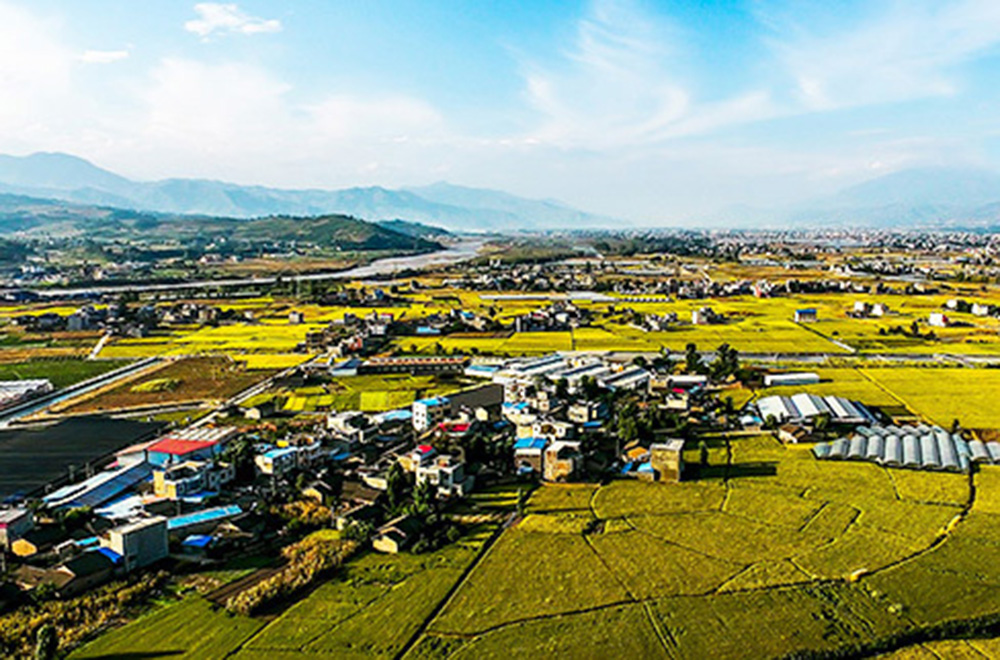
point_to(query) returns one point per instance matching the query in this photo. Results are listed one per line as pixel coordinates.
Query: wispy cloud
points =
(623, 83)
(896, 51)
(103, 56)
(227, 18)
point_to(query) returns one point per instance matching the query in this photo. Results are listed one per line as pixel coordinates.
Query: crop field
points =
(374, 393)
(190, 380)
(946, 394)
(774, 553)
(275, 361)
(190, 629)
(61, 372)
(269, 339)
(847, 382)
(346, 617)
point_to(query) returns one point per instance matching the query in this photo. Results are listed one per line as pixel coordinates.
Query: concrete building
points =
(562, 461)
(448, 474)
(529, 455)
(190, 478)
(140, 543)
(801, 378)
(277, 462)
(14, 523)
(667, 459)
(428, 413)
(807, 315)
(938, 320)
(396, 535)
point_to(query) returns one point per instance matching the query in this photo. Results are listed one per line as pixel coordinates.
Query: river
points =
(462, 251)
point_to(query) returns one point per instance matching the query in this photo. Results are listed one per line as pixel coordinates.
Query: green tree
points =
(424, 497)
(692, 359)
(396, 487)
(46, 643)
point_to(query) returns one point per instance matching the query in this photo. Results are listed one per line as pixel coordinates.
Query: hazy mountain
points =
(35, 216)
(64, 177)
(416, 229)
(922, 197)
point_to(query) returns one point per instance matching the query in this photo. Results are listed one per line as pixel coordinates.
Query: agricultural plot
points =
(189, 629)
(191, 380)
(845, 382)
(610, 338)
(772, 622)
(527, 575)
(62, 373)
(945, 394)
(367, 393)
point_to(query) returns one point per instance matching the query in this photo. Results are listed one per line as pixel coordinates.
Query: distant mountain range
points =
(927, 198)
(68, 178)
(924, 197)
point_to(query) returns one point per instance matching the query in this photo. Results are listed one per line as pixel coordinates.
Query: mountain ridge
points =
(53, 175)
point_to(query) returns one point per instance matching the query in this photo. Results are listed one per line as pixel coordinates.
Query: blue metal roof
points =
(197, 541)
(278, 453)
(433, 401)
(110, 554)
(530, 443)
(645, 467)
(206, 515)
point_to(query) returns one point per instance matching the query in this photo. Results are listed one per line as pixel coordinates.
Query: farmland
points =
(822, 557)
(61, 372)
(367, 393)
(194, 380)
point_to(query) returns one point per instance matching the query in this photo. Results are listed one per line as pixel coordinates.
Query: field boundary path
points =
(483, 551)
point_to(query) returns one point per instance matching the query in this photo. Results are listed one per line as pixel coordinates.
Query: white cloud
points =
(899, 51)
(35, 75)
(226, 18)
(622, 84)
(103, 56)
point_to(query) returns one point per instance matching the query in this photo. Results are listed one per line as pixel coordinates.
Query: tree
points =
(240, 453)
(395, 487)
(692, 359)
(359, 531)
(46, 643)
(822, 422)
(424, 497)
(956, 426)
(562, 388)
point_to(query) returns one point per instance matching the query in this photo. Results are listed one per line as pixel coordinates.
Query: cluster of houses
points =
(172, 495)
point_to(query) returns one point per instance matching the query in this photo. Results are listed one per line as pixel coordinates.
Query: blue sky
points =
(656, 112)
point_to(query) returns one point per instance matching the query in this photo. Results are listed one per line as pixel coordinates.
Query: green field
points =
(61, 372)
(945, 394)
(775, 553)
(189, 629)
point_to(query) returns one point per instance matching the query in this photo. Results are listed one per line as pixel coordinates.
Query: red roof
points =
(179, 447)
(454, 427)
(424, 449)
